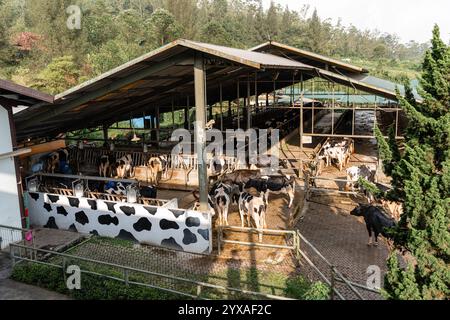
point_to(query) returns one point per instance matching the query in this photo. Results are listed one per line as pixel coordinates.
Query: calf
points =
(253, 207)
(376, 221)
(58, 161)
(355, 173)
(211, 204)
(105, 167)
(275, 184)
(339, 150)
(218, 166)
(222, 201)
(125, 167)
(155, 165)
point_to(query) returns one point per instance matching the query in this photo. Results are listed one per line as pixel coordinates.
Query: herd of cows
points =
(379, 215)
(248, 187)
(250, 191)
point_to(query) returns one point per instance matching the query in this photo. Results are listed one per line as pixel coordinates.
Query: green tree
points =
(164, 27)
(421, 180)
(61, 74)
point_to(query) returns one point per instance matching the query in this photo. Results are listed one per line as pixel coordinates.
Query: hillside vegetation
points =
(37, 48)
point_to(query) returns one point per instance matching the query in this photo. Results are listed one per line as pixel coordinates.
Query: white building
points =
(12, 98)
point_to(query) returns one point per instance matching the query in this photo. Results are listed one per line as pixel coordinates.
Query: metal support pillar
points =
(238, 105)
(221, 106)
(300, 129)
(249, 114)
(200, 116)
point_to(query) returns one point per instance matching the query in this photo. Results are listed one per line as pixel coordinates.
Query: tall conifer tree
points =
(421, 180)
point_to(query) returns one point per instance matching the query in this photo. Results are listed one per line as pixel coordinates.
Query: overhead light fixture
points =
(132, 193)
(78, 190)
(33, 185)
(135, 138)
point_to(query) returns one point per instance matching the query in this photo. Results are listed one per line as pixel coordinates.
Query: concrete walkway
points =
(12, 290)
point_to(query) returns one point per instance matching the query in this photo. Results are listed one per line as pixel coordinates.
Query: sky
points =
(409, 19)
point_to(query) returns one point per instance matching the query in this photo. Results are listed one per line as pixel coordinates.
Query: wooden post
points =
(200, 115)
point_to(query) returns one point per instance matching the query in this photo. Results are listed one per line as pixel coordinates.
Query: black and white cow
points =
(58, 161)
(338, 150)
(364, 172)
(254, 208)
(155, 165)
(377, 221)
(125, 168)
(218, 165)
(113, 188)
(223, 196)
(240, 177)
(106, 166)
(268, 161)
(211, 204)
(274, 184)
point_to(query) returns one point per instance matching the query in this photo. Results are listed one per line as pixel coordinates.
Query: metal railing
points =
(294, 240)
(282, 233)
(196, 288)
(311, 186)
(336, 275)
(10, 235)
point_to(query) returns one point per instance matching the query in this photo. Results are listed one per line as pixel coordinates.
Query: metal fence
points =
(311, 186)
(294, 241)
(130, 276)
(283, 233)
(10, 235)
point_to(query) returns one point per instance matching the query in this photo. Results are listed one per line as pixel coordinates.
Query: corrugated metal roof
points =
(309, 56)
(264, 59)
(250, 59)
(21, 94)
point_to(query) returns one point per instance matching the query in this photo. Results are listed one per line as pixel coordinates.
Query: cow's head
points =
(358, 211)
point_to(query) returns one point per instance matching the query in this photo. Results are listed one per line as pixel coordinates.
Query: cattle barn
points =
(170, 88)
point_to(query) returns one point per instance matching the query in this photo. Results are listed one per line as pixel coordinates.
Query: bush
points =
(92, 287)
(300, 288)
(318, 291)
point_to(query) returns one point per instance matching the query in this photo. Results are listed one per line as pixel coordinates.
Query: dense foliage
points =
(420, 173)
(36, 44)
(94, 287)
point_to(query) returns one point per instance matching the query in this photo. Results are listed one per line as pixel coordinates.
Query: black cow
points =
(377, 221)
(240, 177)
(274, 184)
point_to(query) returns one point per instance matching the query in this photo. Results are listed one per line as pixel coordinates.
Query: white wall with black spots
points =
(178, 229)
(9, 194)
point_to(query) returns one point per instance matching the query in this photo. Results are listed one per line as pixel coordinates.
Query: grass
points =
(95, 287)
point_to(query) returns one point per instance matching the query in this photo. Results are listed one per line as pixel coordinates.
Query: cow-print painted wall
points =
(178, 229)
